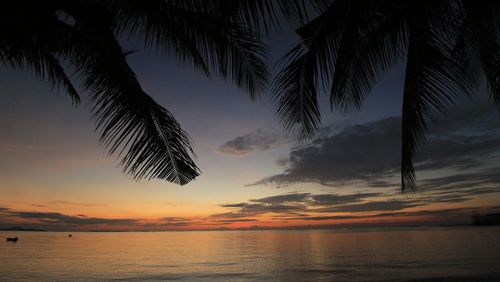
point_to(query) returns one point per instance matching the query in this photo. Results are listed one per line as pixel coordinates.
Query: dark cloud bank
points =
(465, 143)
(316, 207)
(459, 161)
(54, 220)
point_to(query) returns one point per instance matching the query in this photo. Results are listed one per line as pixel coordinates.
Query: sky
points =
(55, 175)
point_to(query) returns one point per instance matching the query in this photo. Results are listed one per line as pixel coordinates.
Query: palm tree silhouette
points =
(446, 44)
(213, 36)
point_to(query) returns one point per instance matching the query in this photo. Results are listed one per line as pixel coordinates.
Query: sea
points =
(375, 254)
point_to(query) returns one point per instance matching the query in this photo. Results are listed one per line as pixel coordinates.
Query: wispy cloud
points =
(58, 220)
(70, 203)
(177, 221)
(291, 204)
(461, 214)
(235, 220)
(308, 206)
(371, 206)
(254, 141)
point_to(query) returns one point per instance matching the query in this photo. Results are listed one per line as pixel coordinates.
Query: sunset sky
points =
(55, 175)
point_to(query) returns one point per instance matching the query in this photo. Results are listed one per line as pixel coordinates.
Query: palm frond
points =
(243, 60)
(295, 95)
(374, 43)
(156, 23)
(29, 47)
(146, 136)
(307, 66)
(266, 15)
(204, 37)
(466, 54)
(482, 21)
(43, 64)
(433, 84)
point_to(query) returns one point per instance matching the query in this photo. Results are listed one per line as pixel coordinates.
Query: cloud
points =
(174, 219)
(487, 176)
(69, 203)
(280, 199)
(462, 214)
(282, 161)
(287, 204)
(177, 221)
(58, 220)
(388, 205)
(297, 204)
(324, 217)
(236, 220)
(255, 141)
(65, 203)
(370, 152)
(346, 156)
(248, 209)
(333, 199)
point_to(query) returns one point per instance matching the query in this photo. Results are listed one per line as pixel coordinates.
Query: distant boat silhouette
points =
(12, 239)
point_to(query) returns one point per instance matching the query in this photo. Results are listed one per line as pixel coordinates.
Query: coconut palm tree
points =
(443, 43)
(215, 37)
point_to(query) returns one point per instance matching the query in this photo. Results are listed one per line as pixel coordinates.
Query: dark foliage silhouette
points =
(445, 45)
(220, 37)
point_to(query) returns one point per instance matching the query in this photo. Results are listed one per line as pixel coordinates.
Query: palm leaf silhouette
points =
(215, 37)
(351, 43)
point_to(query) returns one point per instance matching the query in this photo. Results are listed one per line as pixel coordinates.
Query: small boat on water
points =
(12, 239)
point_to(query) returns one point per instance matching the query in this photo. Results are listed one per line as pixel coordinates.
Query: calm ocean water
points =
(429, 254)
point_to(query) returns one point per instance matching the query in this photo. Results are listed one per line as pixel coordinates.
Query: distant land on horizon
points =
(477, 220)
(19, 228)
(487, 219)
